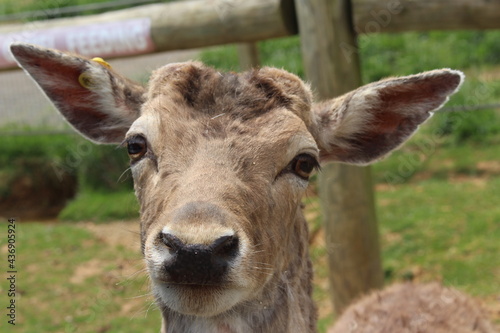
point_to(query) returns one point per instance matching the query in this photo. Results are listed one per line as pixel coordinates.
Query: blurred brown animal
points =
(414, 308)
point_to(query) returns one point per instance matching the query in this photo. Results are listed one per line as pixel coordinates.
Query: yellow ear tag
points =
(102, 62)
(85, 80)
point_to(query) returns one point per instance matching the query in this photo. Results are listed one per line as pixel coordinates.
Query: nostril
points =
(226, 246)
(171, 241)
(197, 263)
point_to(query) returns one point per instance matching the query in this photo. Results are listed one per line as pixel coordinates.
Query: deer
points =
(220, 162)
(413, 308)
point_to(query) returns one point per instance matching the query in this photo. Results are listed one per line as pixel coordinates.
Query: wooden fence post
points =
(331, 62)
(248, 54)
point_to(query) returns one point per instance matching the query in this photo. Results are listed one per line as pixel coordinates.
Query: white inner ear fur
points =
(355, 112)
(350, 118)
(105, 99)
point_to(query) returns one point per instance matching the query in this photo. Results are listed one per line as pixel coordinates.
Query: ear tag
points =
(102, 62)
(86, 80)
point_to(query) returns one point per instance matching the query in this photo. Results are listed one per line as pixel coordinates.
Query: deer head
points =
(220, 162)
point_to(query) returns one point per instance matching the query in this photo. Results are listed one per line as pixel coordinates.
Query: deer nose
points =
(199, 264)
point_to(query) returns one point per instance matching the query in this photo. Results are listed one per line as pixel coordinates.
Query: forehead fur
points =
(244, 96)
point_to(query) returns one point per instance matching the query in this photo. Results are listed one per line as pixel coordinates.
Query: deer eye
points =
(137, 147)
(303, 165)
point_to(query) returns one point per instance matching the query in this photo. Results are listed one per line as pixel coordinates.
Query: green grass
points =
(441, 222)
(438, 225)
(436, 157)
(439, 203)
(16, 6)
(385, 55)
(96, 206)
(42, 146)
(70, 280)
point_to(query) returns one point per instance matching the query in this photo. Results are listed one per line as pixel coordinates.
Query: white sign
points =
(110, 39)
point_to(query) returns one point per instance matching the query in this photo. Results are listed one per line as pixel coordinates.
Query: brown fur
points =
(414, 308)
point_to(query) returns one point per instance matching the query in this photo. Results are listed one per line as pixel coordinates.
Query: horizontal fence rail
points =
(374, 16)
(156, 28)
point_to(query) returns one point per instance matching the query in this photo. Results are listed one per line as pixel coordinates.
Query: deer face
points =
(219, 169)
(220, 162)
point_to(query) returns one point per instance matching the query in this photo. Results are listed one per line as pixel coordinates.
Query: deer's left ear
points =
(98, 102)
(369, 122)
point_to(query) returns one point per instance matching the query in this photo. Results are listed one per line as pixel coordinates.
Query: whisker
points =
(131, 277)
(140, 296)
(152, 304)
(123, 173)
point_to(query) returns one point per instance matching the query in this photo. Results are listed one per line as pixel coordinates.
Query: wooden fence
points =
(165, 27)
(157, 28)
(329, 30)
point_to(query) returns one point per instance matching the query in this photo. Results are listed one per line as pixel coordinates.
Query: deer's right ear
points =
(366, 124)
(96, 101)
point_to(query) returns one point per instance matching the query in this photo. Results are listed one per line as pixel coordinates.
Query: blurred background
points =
(437, 197)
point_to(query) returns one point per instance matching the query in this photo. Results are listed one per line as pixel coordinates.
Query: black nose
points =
(199, 264)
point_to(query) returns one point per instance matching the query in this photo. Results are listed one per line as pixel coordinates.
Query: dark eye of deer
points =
(136, 147)
(303, 165)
